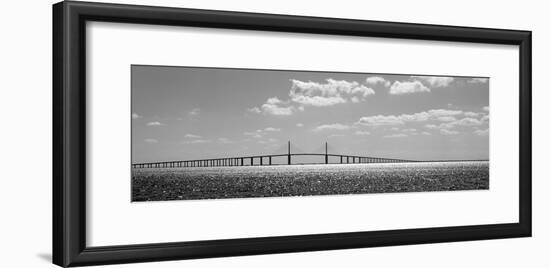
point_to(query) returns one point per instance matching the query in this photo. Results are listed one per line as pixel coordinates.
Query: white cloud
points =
(482, 132)
(195, 112)
(400, 135)
(467, 121)
(478, 80)
(389, 120)
(426, 133)
(255, 110)
(315, 94)
(448, 132)
(331, 127)
(443, 112)
(274, 106)
(254, 134)
(407, 87)
(299, 125)
(150, 140)
(409, 130)
(486, 108)
(192, 136)
(435, 81)
(464, 122)
(330, 93)
(446, 118)
(197, 141)
(335, 135)
(362, 132)
(136, 116)
(380, 120)
(260, 132)
(318, 101)
(155, 123)
(471, 114)
(373, 80)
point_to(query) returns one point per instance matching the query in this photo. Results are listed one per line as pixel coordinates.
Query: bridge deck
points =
(268, 158)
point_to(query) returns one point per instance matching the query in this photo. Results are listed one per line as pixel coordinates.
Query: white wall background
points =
(25, 136)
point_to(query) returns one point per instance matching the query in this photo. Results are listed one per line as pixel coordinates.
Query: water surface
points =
(155, 184)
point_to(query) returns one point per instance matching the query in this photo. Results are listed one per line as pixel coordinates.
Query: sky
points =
(183, 113)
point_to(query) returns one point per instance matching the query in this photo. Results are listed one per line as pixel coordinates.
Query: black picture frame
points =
(69, 133)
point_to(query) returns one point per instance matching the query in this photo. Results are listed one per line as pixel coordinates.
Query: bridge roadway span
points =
(250, 161)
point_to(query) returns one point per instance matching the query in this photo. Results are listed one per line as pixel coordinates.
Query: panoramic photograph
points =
(213, 133)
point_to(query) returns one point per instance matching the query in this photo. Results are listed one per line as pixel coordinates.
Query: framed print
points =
(185, 133)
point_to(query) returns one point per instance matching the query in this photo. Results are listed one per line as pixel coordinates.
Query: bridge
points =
(267, 160)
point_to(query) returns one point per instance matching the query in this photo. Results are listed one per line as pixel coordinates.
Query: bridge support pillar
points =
(341, 159)
(261, 160)
(270, 160)
(251, 161)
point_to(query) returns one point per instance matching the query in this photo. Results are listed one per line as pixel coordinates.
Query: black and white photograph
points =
(213, 133)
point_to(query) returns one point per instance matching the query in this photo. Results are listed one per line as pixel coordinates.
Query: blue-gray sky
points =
(183, 113)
